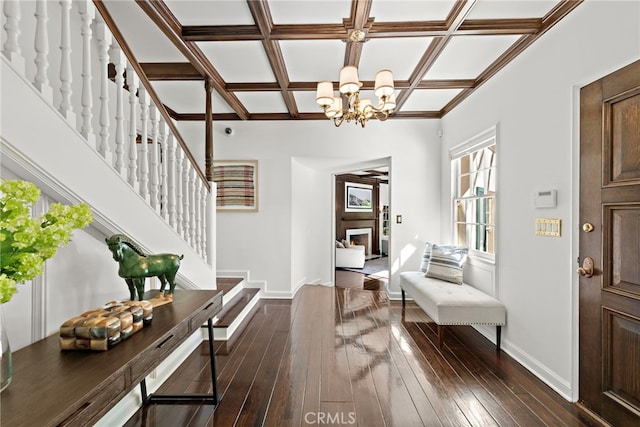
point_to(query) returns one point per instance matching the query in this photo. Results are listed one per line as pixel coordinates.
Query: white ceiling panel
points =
(144, 38)
(309, 11)
(313, 60)
(306, 102)
(492, 9)
(400, 55)
(262, 102)
(467, 56)
(410, 10)
(429, 99)
(211, 12)
(239, 61)
(181, 96)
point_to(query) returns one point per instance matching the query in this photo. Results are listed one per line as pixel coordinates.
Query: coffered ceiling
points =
(263, 58)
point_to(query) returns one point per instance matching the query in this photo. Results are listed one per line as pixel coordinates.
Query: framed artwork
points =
(237, 182)
(358, 197)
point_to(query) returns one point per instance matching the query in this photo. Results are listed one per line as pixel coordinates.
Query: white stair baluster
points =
(104, 42)
(66, 109)
(119, 62)
(87, 13)
(192, 206)
(143, 171)
(196, 211)
(179, 190)
(153, 172)
(203, 220)
(170, 182)
(11, 48)
(164, 190)
(41, 46)
(132, 83)
(186, 165)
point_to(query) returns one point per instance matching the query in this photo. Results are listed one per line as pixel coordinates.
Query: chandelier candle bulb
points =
(384, 83)
(349, 82)
(324, 93)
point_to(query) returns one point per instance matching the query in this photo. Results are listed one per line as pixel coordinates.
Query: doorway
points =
(362, 228)
(609, 284)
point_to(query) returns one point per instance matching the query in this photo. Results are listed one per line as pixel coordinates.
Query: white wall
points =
(533, 101)
(296, 197)
(55, 157)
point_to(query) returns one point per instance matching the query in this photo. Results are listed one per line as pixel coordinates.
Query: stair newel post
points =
(192, 206)
(155, 158)
(104, 42)
(170, 183)
(41, 46)
(132, 83)
(87, 14)
(11, 48)
(66, 109)
(179, 191)
(119, 63)
(143, 158)
(164, 190)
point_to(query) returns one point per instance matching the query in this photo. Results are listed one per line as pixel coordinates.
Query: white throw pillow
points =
(446, 263)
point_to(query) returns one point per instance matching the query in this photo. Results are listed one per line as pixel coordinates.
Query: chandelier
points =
(348, 106)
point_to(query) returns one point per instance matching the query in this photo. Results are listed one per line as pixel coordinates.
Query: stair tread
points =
(232, 309)
(225, 284)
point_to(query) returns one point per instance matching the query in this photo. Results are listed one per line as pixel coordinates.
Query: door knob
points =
(587, 268)
(587, 227)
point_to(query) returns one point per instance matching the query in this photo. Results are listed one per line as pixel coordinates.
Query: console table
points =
(51, 387)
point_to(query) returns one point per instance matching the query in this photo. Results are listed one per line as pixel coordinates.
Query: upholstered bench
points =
(452, 304)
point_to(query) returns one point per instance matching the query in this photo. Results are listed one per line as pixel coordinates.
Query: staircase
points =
(239, 304)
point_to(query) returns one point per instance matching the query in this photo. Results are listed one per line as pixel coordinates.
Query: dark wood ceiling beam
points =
(548, 21)
(454, 20)
(366, 85)
(199, 117)
(374, 30)
(262, 17)
(219, 33)
(160, 14)
(499, 26)
(170, 71)
(358, 20)
(117, 34)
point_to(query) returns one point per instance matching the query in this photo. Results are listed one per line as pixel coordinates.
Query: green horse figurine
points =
(136, 266)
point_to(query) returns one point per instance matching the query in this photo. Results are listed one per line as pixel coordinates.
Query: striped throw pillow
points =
(446, 263)
(426, 256)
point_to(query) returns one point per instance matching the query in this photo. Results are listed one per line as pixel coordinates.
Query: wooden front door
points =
(610, 236)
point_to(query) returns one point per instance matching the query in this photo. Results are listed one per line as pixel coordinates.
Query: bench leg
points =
(498, 332)
(440, 336)
(402, 297)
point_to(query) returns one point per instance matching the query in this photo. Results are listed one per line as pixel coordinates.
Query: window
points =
(473, 166)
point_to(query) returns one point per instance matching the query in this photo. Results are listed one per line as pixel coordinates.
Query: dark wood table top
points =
(50, 386)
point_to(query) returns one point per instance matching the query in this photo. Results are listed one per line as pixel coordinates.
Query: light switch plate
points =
(548, 227)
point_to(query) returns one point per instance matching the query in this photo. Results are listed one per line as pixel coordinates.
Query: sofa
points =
(350, 256)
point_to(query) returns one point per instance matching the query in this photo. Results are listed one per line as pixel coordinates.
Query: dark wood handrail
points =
(115, 31)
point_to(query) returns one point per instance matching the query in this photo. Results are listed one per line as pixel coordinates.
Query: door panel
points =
(621, 140)
(609, 301)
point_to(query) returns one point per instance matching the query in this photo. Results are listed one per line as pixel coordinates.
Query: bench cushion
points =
(450, 304)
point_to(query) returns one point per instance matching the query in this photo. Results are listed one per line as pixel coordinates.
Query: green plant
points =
(26, 242)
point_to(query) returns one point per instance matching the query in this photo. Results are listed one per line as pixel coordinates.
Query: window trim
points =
(481, 140)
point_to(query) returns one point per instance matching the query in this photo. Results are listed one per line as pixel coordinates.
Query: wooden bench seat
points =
(451, 304)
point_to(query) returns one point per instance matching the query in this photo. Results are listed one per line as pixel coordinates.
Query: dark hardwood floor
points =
(347, 356)
(349, 279)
